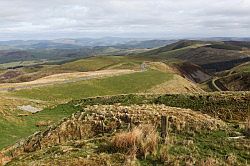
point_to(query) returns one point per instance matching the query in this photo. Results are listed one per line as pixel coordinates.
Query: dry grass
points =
(180, 119)
(231, 159)
(209, 162)
(142, 140)
(163, 153)
(9, 104)
(43, 123)
(248, 126)
(4, 159)
(177, 84)
(63, 78)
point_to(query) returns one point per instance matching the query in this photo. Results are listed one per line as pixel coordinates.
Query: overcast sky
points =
(48, 19)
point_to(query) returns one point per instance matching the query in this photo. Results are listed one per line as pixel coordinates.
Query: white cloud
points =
(142, 18)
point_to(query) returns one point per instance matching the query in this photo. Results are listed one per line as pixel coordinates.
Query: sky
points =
(50, 19)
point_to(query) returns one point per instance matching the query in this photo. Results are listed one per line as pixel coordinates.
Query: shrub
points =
(142, 140)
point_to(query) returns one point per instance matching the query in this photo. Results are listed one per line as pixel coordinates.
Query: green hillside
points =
(99, 63)
(123, 84)
(238, 78)
(242, 68)
(176, 46)
(212, 56)
(33, 72)
(129, 83)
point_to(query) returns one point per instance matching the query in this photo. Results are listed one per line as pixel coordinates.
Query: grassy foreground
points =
(202, 140)
(236, 109)
(23, 126)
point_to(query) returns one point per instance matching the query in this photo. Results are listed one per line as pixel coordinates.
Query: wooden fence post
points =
(129, 123)
(164, 120)
(102, 127)
(59, 138)
(80, 132)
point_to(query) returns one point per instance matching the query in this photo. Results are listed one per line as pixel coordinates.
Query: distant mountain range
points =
(125, 43)
(84, 42)
(225, 39)
(200, 52)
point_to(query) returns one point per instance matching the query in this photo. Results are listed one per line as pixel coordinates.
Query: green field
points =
(22, 127)
(175, 53)
(243, 68)
(32, 72)
(99, 63)
(129, 83)
(21, 63)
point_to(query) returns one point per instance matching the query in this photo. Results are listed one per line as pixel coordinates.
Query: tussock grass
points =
(248, 126)
(141, 140)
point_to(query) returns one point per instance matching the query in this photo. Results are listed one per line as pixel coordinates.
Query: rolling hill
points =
(89, 108)
(203, 61)
(237, 79)
(226, 55)
(68, 49)
(33, 70)
(72, 80)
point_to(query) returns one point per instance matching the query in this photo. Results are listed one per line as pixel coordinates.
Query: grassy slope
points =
(174, 50)
(242, 68)
(229, 107)
(10, 127)
(236, 79)
(202, 146)
(203, 151)
(205, 54)
(89, 64)
(12, 131)
(97, 63)
(129, 83)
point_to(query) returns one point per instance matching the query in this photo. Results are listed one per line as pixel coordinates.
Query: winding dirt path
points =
(218, 85)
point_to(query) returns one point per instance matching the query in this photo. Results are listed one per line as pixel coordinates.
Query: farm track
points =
(218, 85)
(63, 78)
